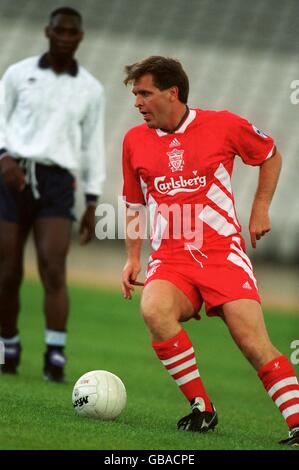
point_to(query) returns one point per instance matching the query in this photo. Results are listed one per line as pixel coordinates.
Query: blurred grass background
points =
(106, 332)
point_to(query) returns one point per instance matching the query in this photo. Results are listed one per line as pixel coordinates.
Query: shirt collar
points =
(183, 127)
(44, 63)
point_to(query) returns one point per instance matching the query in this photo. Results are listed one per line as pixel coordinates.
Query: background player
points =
(185, 157)
(53, 124)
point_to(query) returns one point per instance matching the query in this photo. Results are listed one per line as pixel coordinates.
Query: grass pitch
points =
(106, 332)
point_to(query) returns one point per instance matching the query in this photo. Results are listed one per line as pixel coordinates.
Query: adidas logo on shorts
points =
(246, 285)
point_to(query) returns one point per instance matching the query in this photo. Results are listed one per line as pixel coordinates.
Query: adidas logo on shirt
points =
(174, 143)
(246, 285)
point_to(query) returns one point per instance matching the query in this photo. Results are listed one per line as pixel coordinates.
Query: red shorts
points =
(214, 277)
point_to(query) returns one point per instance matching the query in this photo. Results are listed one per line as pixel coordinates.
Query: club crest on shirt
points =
(176, 161)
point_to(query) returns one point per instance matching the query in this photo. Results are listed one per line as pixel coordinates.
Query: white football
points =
(99, 394)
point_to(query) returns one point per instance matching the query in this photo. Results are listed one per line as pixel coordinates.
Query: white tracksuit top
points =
(55, 119)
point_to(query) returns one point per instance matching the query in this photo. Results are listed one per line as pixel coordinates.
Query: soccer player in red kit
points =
(179, 164)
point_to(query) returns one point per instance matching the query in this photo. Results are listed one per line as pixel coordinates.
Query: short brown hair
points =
(166, 73)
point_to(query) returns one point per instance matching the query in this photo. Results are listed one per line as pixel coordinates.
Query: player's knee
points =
(53, 276)
(157, 310)
(10, 278)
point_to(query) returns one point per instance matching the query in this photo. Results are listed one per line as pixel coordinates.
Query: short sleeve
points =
(249, 142)
(132, 192)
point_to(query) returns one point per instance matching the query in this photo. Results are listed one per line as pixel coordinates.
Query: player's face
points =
(155, 105)
(64, 33)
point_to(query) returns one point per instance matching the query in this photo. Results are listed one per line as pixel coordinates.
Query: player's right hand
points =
(129, 275)
(12, 174)
(259, 223)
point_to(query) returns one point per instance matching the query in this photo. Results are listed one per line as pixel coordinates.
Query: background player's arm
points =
(10, 170)
(12, 174)
(259, 223)
(133, 245)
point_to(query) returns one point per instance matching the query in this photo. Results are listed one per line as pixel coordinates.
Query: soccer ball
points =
(99, 394)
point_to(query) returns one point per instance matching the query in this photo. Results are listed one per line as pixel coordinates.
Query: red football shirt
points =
(185, 177)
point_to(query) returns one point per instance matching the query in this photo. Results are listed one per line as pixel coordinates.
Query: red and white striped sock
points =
(279, 379)
(177, 355)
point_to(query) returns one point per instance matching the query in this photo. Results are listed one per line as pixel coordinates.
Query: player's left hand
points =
(87, 225)
(259, 223)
